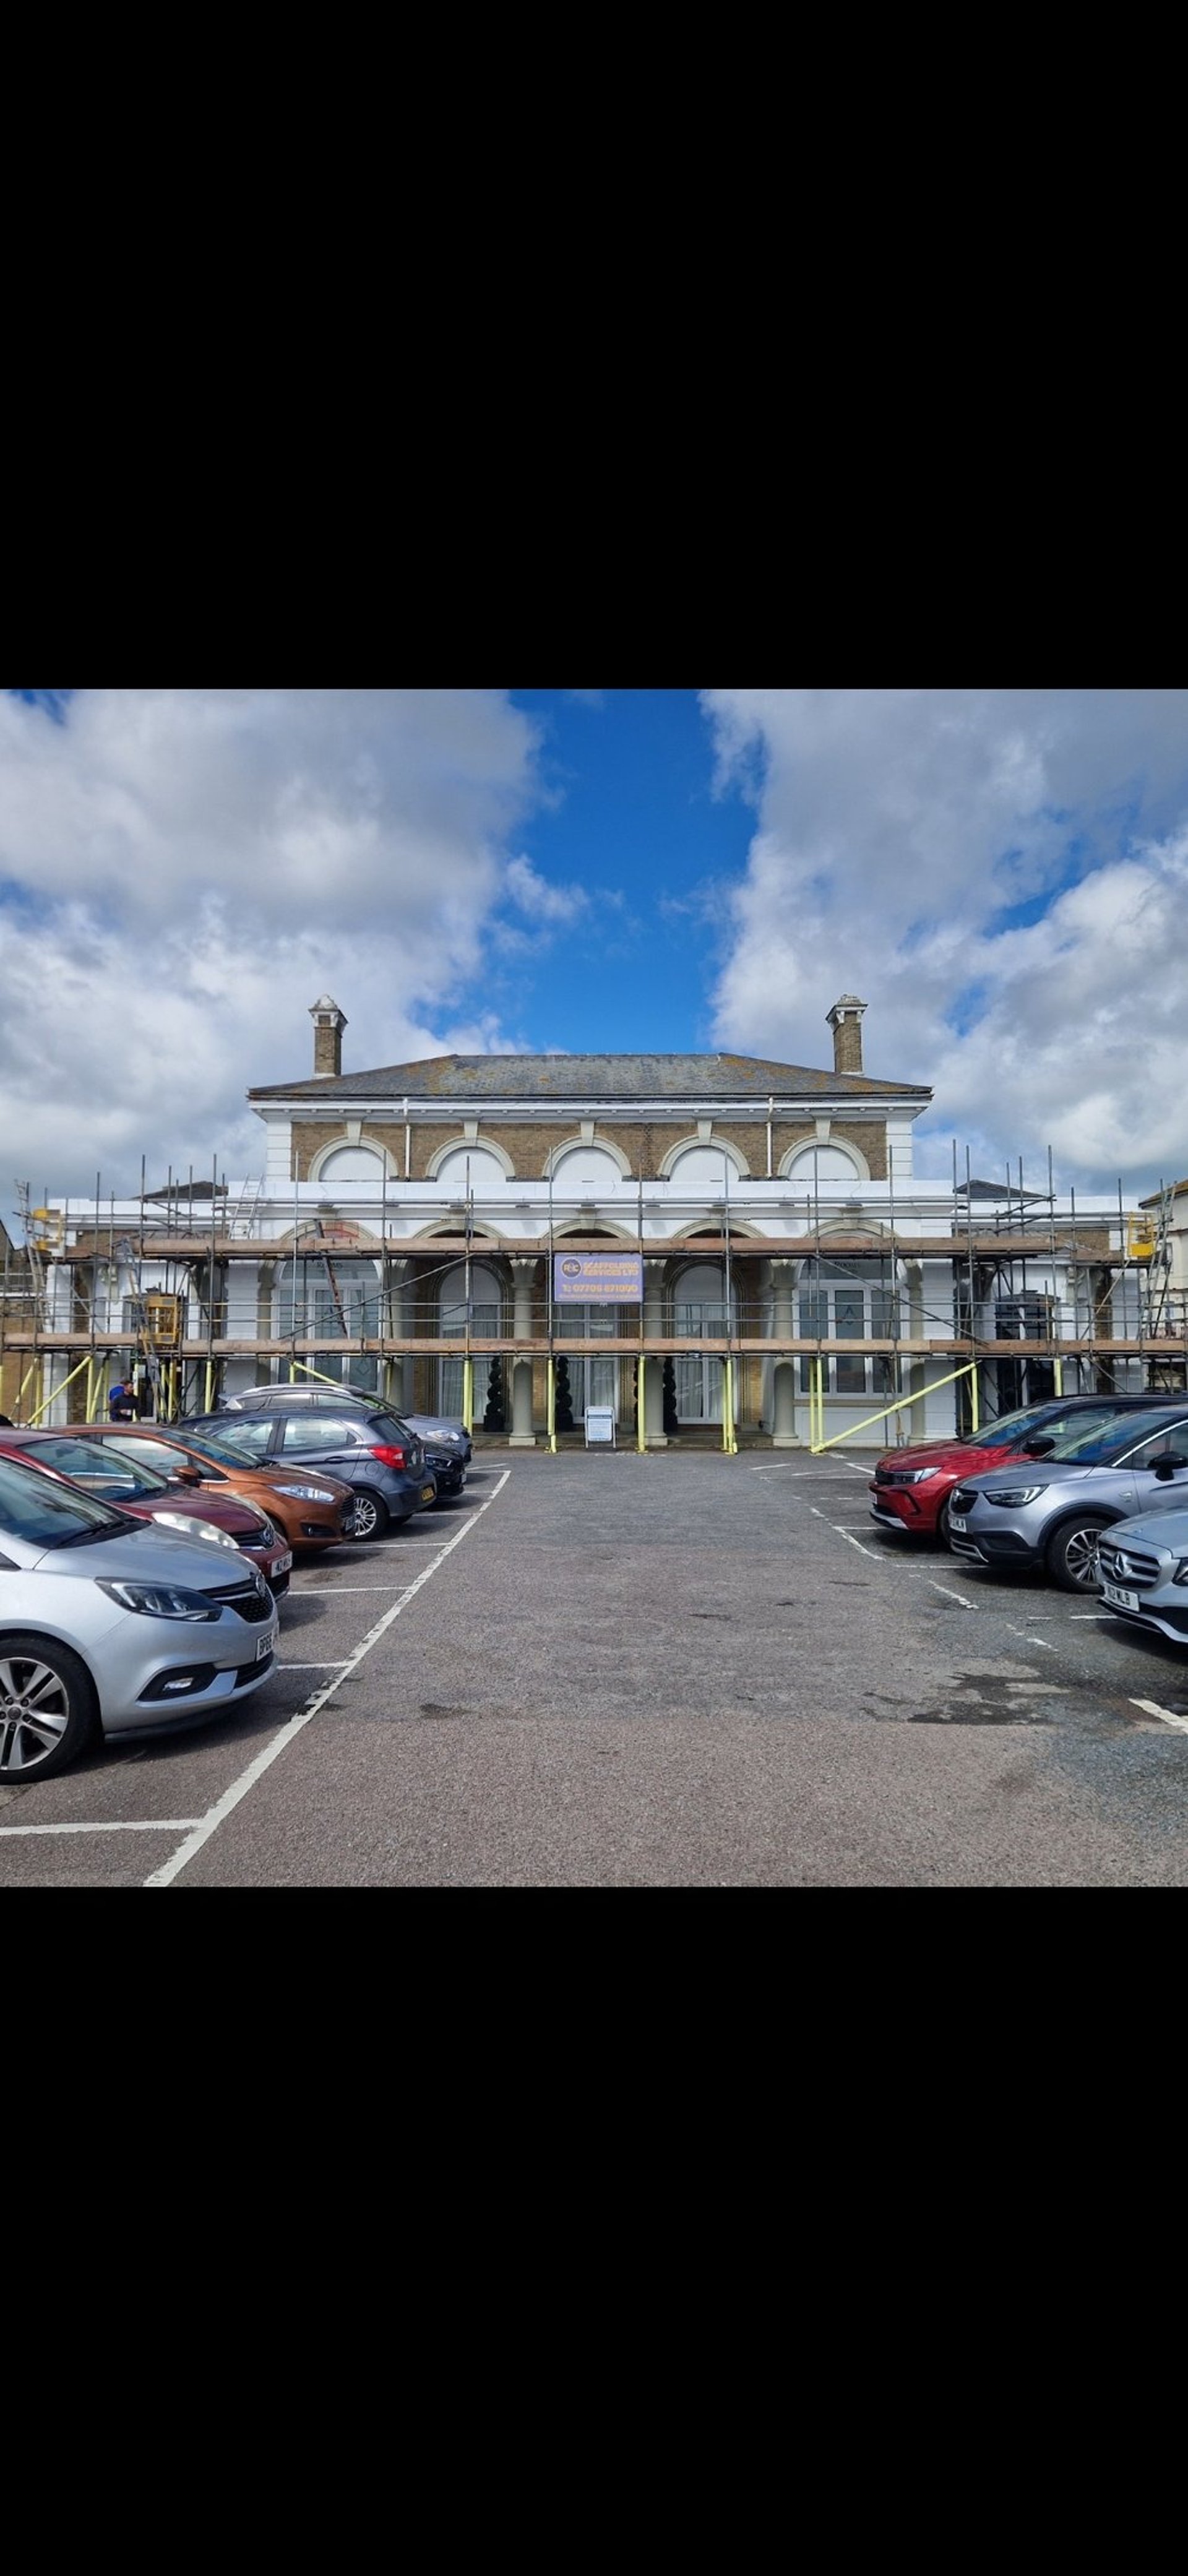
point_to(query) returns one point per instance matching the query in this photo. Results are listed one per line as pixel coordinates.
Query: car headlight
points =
(1181, 1573)
(191, 1528)
(159, 1600)
(914, 1475)
(1015, 1495)
(308, 1493)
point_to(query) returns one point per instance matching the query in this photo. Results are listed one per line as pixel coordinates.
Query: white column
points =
(784, 1407)
(653, 1326)
(523, 1282)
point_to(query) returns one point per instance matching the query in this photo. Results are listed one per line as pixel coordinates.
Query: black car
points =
(373, 1452)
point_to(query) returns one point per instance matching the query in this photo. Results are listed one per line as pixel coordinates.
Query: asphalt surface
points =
(601, 1670)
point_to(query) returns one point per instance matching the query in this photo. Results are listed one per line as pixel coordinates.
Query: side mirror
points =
(1166, 1465)
(189, 1476)
(1040, 1447)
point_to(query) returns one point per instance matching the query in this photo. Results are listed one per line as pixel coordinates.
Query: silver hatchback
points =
(110, 1624)
(1049, 1508)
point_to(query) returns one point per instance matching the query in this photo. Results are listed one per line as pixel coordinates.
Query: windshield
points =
(1007, 1430)
(197, 1444)
(1112, 1441)
(88, 1463)
(44, 1514)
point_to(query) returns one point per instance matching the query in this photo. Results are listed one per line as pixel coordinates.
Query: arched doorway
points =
(700, 1313)
(486, 1325)
(323, 1299)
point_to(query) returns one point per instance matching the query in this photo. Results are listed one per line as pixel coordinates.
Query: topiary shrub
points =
(493, 1418)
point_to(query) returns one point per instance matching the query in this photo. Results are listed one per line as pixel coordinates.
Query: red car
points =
(223, 1521)
(911, 1486)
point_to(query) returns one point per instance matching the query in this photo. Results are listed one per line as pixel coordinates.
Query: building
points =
(746, 1238)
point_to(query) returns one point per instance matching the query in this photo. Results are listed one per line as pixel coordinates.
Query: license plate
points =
(1122, 1600)
(427, 1493)
(264, 1646)
(284, 1563)
(956, 1522)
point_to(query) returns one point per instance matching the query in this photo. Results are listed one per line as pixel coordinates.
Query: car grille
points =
(1127, 1565)
(253, 1602)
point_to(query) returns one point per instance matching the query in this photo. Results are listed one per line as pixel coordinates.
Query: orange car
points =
(312, 1510)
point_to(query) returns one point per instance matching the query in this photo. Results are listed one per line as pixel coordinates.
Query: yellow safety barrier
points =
(552, 1404)
(817, 1405)
(56, 1391)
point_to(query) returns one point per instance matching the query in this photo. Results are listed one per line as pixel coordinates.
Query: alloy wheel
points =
(35, 1711)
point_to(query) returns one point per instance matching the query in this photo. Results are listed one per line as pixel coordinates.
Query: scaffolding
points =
(156, 1294)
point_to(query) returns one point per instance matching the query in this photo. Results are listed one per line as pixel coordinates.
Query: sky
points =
(1001, 875)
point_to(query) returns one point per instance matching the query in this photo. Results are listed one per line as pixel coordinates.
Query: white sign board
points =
(600, 1424)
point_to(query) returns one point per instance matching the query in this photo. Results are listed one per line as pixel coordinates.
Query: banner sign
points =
(598, 1278)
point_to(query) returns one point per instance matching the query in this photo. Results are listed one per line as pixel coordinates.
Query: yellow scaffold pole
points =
(468, 1393)
(552, 1404)
(729, 1443)
(56, 1391)
(640, 1402)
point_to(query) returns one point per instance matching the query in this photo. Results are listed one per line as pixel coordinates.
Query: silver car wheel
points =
(371, 1514)
(1071, 1556)
(47, 1709)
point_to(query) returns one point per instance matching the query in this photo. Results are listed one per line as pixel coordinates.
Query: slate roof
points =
(589, 1077)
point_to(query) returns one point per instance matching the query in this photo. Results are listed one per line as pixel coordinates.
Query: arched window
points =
(351, 1163)
(586, 1172)
(485, 1170)
(704, 1168)
(830, 1162)
(325, 1297)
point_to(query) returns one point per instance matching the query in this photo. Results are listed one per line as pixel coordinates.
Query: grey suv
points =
(446, 1439)
(1049, 1508)
(373, 1452)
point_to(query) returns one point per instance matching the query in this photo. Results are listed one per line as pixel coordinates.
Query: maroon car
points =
(222, 1520)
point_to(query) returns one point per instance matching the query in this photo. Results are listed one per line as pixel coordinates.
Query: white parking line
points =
(946, 1595)
(1168, 1715)
(328, 1664)
(1032, 1641)
(844, 1533)
(289, 1732)
(166, 1825)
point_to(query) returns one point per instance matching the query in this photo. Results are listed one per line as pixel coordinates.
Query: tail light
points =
(389, 1457)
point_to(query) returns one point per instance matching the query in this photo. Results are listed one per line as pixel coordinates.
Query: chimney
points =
(329, 1023)
(845, 1020)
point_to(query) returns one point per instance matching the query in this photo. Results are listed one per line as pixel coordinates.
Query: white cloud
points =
(894, 830)
(542, 902)
(182, 872)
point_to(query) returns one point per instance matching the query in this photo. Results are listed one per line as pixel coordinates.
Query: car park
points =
(912, 1486)
(225, 1521)
(312, 1513)
(1049, 1511)
(1142, 1568)
(114, 1625)
(373, 1452)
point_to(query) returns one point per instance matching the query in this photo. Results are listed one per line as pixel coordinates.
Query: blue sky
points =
(633, 817)
(1001, 875)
